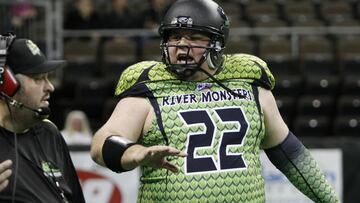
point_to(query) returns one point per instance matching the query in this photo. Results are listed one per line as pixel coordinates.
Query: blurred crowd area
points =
(311, 46)
(114, 14)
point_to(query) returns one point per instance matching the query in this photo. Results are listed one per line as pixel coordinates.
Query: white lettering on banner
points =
(96, 190)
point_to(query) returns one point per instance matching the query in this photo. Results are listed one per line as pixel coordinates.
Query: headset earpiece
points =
(8, 83)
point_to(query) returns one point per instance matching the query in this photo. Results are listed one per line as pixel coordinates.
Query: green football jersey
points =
(220, 131)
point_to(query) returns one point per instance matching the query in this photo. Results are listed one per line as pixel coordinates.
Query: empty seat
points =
(275, 47)
(81, 51)
(91, 93)
(349, 105)
(151, 49)
(240, 45)
(93, 89)
(231, 8)
(349, 54)
(81, 56)
(347, 126)
(237, 22)
(120, 50)
(270, 23)
(117, 55)
(307, 22)
(286, 106)
(343, 21)
(261, 10)
(317, 55)
(314, 105)
(331, 10)
(351, 84)
(276, 51)
(74, 70)
(312, 126)
(297, 10)
(288, 85)
(322, 84)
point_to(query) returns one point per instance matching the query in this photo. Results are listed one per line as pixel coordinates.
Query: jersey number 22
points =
(226, 160)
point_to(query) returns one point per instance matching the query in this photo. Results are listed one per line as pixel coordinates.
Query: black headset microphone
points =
(40, 112)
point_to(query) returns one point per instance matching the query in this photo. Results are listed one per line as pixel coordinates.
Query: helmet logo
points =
(182, 20)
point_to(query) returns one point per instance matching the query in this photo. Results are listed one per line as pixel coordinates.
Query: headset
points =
(8, 83)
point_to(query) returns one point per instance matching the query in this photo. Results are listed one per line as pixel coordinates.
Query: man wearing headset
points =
(41, 170)
(204, 116)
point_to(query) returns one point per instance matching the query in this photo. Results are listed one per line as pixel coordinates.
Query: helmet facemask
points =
(186, 69)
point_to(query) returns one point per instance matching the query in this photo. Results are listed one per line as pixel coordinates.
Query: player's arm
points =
(5, 173)
(290, 156)
(114, 144)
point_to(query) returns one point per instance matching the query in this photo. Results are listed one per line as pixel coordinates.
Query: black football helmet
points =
(203, 16)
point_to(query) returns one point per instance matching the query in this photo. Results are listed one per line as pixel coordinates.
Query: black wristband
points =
(113, 150)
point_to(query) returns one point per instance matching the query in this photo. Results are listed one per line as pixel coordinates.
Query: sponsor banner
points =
(280, 190)
(102, 185)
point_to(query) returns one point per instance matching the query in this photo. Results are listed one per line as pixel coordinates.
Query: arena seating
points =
(317, 89)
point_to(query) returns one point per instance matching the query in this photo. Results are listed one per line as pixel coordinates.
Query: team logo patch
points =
(50, 170)
(202, 86)
(33, 48)
(183, 20)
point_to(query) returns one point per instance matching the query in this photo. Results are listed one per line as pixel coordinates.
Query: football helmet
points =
(204, 16)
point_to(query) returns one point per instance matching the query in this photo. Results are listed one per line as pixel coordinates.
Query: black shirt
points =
(44, 160)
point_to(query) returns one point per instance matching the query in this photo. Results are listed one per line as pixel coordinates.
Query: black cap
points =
(25, 57)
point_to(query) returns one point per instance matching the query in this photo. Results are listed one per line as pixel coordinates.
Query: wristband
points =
(113, 150)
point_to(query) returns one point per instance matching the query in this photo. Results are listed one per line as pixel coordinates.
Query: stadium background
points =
(311, 46)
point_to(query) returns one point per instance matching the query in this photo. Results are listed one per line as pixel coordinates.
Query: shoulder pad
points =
(248, 67)
(159, 72)
(131, 75)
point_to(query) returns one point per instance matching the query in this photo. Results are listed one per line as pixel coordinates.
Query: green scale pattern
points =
(314, 176)
(238, 185)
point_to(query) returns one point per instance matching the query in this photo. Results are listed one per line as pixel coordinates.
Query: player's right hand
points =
(155, 156)
(5, 173)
